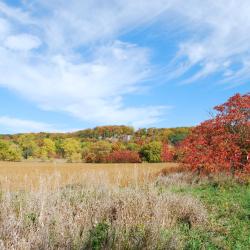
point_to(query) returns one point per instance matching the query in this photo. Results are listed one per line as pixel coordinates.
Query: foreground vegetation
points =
(176, 211)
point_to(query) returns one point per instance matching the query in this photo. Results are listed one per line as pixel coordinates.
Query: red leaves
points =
(167, 155)
(123, 156)
(222, 143)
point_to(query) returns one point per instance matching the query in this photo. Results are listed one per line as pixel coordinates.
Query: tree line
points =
(106, 144)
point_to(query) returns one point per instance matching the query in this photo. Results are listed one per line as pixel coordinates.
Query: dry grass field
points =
(119, 206)
(33, 175)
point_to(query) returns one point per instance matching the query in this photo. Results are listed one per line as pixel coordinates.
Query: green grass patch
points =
(228, 205)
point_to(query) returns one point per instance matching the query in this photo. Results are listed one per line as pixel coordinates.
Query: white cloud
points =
(4, 28)
(15, 125)
(22, 42)
(91, 90)
(91, 87)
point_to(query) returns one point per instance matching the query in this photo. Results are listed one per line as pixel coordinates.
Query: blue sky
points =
(68, 65)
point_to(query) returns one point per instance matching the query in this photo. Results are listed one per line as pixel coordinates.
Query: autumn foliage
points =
(167, 154)
(221, 144)
(123, 156)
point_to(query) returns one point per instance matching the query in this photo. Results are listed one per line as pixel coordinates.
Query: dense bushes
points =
(124, 156)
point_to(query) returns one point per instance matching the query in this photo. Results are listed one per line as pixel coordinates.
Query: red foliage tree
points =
(223, 142)
(123, 156)
(167, 154)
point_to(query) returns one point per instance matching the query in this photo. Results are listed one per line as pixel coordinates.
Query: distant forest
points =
(118, 144)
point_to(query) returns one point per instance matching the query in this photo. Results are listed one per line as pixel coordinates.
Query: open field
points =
(33, 175)
(125, 206)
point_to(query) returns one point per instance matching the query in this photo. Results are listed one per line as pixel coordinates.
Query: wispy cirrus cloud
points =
(218, 41)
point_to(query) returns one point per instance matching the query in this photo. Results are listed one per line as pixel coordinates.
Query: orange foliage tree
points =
(221, 144)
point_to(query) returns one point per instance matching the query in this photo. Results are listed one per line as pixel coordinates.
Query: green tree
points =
(178, 134)
(151, 152)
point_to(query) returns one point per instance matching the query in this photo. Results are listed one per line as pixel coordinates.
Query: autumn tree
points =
(9, 151)
(167, 153)
(151, 152)
(223, 142)
(28, 145)
(71, 150)
(47, 149)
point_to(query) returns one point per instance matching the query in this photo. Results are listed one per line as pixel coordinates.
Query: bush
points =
(124, 156)
(98, 236)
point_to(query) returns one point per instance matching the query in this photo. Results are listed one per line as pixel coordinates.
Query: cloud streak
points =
(218, 41)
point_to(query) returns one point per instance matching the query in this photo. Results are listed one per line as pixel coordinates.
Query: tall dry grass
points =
(30, 175)
(96, 214)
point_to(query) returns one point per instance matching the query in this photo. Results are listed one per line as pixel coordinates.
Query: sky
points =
(69, 65)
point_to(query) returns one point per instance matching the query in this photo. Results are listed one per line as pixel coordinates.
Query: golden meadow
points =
(32, 175)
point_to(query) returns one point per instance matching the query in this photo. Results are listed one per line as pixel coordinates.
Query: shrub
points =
(98, 236)
(124, 156)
